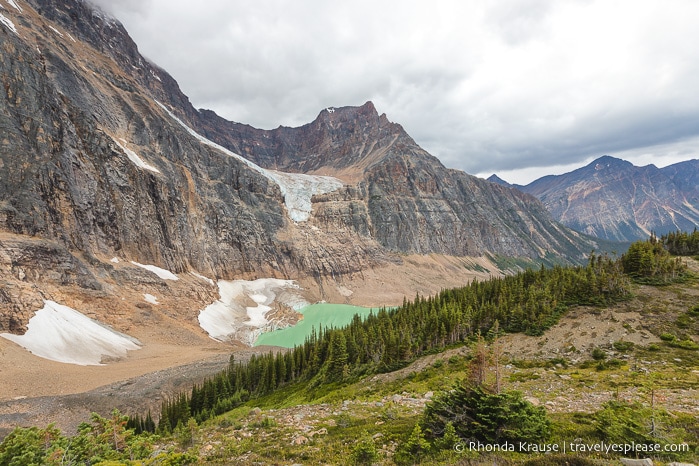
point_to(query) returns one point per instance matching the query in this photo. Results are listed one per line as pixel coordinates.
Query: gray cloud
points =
(486, 87)
(120, 7)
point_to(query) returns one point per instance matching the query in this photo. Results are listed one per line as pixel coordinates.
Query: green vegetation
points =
(650, 262)
(365, 451)
(101, 441)
(334, 399)
(512, 264)
(478, 409)
(622, 423)
(529, 302)
(623, 346)
(681, 243)
(477, 413)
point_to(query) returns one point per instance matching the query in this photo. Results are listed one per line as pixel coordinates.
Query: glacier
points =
(297, 188)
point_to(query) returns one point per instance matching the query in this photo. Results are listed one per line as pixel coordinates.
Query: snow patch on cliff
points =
(13, 4)
(56, 31)
(62, 334)
(162, 273)
(202, 277)
(133, 156)
(7, 22)
(241, 311)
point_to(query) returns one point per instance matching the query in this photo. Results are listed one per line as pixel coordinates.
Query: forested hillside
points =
(528, 302)
(337, 363)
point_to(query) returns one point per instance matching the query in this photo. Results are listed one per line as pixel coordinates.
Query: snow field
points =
(62, 334)
(229, 318)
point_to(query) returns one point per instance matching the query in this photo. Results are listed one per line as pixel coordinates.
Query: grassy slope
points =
(321, 424)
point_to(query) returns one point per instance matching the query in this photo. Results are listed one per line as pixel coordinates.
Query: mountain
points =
(497, 180)
(107, 174)
(615, 200)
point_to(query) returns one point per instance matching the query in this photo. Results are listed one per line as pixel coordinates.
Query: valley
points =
(556, 370)
(145, 245)
(176, 352)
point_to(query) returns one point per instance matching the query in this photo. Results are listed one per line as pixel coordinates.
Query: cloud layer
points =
(485, 86)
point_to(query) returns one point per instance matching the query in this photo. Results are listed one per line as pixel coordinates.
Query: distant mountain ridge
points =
(615, 200)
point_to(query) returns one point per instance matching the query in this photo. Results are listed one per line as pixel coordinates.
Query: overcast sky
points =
(521, 88)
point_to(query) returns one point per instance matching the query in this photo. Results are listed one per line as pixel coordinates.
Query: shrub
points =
(683, 321)
(558, 360)
(343, 420)
(622, 422)
(364, 451)
(610, 364)
(414, 448)
(557, 460)
(481, 415)
(264, 423)
(667, 337)
(623, 345)
(684, 344)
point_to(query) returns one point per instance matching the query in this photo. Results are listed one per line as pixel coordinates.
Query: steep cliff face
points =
(615, 200)
(341, 141)
(102, 156)
(424, 208)
(411, 202)
(90, 160)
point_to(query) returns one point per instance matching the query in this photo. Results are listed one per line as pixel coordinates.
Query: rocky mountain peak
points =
(348, 113)
(497, 180)
(336, 121)
(607, 162)
(341, 141)
(613, 199)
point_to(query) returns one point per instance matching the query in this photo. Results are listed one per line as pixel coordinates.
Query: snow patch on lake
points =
(297, 188)
(241, 311)
(162, 273)
(62, 334)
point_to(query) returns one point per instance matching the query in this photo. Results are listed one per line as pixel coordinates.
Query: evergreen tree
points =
(414, 449)
(337, 357)
(364, 451)
(476, 413)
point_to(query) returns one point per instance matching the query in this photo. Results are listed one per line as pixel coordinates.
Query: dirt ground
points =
(176, 353)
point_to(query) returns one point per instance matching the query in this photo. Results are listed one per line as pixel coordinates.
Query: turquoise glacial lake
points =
(316, 316)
